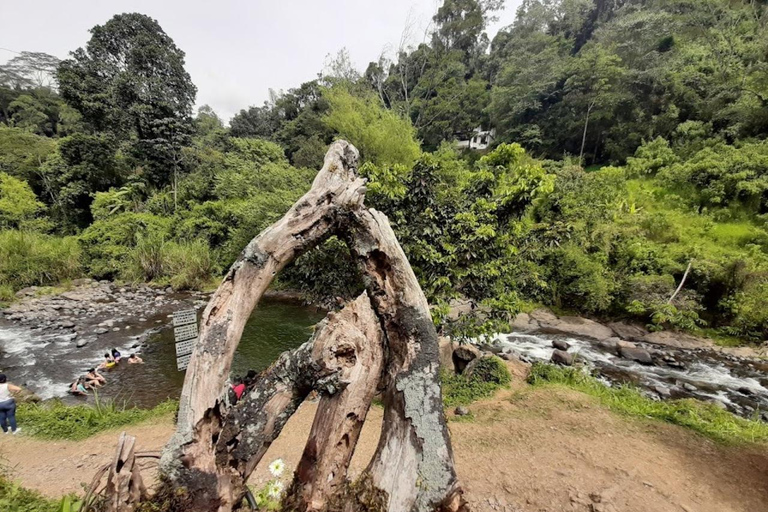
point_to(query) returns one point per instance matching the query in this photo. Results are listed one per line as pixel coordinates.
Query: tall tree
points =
(130, 81)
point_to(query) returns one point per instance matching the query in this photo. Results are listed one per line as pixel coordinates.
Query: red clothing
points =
(239, 390)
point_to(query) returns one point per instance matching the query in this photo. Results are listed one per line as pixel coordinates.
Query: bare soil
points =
(531, 450)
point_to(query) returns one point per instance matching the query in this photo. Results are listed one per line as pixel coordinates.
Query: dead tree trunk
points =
(189, 458)
(342, 362)
(214, 450)
(340, 416)
(125, 487)
(415, 445)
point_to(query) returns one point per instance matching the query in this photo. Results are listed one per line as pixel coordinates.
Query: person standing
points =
(8, 405)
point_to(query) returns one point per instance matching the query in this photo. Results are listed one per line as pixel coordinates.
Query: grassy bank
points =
(15, 498)
(706, 419)
(58, 421)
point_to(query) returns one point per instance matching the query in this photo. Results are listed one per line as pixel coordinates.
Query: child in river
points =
(116, 355)
(108, 362)
(134, 359)
(8, 405)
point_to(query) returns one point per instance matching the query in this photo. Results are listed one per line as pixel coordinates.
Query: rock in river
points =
(636, 354)
(562, 358)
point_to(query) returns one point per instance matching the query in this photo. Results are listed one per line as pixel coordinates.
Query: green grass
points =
(57, 421)
(15, 498)
(706, 419)
(490, 375)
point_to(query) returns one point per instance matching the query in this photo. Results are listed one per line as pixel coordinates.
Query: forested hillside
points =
(630, 151)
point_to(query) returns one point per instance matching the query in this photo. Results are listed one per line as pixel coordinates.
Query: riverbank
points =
(526, 449)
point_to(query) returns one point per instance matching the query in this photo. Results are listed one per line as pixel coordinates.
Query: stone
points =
(81, 342)
(101, 330)
(575, 326)
(543, 315)
(745, 391)
(689, 387)
(523, 323)
(627, 331)
(636, 354)
(663, 391)
(676, 340)
(463, 355)
(562, 358)
(561, 345)
(445, 353)
(461, 411)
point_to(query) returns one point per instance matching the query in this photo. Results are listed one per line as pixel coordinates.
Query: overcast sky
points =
(236, 50)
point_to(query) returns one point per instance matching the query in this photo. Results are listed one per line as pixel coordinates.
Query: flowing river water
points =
(46, 364)
(739, 384)
(41, 350)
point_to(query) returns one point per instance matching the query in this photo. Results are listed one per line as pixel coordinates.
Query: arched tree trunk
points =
(214, 449)
(189, 459)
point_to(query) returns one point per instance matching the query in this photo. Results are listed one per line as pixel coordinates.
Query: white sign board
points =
(185, 317)
(185, 332)
(183, 361)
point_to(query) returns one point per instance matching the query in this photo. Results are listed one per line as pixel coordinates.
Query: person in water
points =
(134, 359)
(116, 355)
(8, 405)
(108, 362)
(78, 387)
(94, 379)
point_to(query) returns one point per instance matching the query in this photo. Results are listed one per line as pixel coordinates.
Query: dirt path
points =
(526, 450)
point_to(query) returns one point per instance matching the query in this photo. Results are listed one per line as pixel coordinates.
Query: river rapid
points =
(732, 382)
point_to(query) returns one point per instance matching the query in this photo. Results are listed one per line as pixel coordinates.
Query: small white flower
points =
(277, 467)
(275, 489)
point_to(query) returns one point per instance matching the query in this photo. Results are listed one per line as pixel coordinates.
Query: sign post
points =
(185, 332)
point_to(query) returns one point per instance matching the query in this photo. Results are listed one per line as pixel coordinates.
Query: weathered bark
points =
(125, 488)
(345, 350)
(214, 450)
(414, 460)
(189, 459)
(340, 417)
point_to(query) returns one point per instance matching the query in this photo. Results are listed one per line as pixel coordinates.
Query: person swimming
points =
(116, 355)
(108, 362)
(134, 359)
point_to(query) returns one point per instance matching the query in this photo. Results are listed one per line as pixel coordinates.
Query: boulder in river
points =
(636, 354)
(663, 391)
(561, 345)
(562, 358)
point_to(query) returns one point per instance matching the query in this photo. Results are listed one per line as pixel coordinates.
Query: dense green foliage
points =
(630, 144)
(705, 419)
(489, 375)
(54, 420)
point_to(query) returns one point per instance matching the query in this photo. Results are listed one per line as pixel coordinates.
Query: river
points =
(47, 363)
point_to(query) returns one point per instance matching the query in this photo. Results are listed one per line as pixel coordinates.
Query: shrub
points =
(185, 265)
(488, 375)
(15, 498)
(107, 243)
(33, 259)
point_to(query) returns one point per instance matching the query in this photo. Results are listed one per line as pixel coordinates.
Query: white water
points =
(713, 380)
